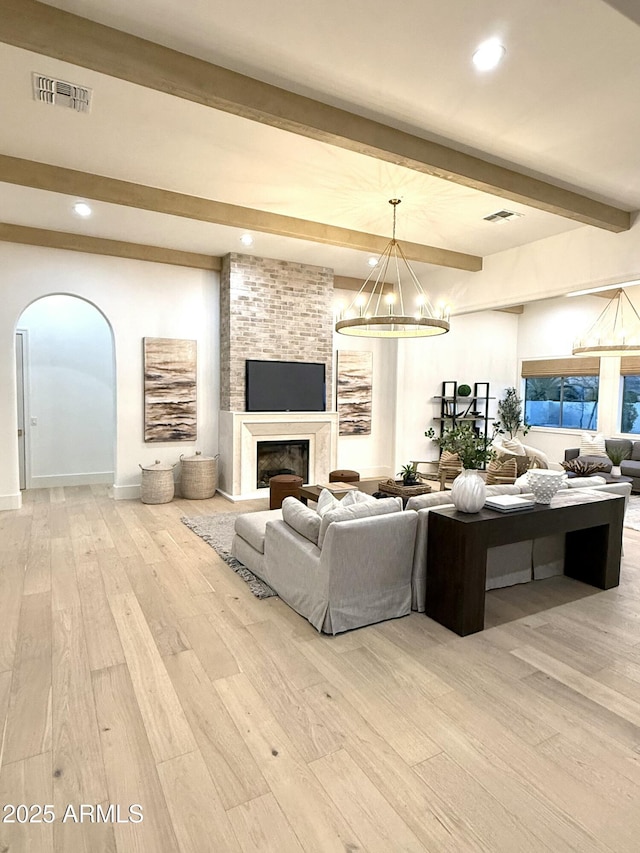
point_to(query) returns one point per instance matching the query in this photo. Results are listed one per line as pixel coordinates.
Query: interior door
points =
(20, 350)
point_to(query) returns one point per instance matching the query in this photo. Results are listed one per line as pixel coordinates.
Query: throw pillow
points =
(592, 445)
(355, 496)
(581, 482)
(359, 510)
(501, 472)
(304, 520)
(583, 467)
(514, 446)
(326, 502)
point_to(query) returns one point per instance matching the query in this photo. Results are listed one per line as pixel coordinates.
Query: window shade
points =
(630, 365)
(564, 367)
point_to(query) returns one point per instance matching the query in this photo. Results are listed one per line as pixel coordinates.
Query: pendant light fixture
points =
(615, 332)
(376, 313)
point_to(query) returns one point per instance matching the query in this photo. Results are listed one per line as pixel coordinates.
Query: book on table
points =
(338, 487)
(509, 503)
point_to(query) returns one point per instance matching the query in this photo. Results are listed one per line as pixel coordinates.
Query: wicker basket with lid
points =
(199, 476)
(157, 483)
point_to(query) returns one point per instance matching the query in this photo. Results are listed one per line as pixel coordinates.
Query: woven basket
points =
(199, 476)
(157, 483)
(391, 487)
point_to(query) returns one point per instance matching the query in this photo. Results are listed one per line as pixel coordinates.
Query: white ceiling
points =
(563, 105)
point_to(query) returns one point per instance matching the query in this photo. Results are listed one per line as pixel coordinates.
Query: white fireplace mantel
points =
(240, 433)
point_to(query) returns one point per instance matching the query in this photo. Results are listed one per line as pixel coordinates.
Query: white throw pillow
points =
(592, 445)
(355, 496)
(581, 482)
(301, 518)
(514, 446)
(326, 502)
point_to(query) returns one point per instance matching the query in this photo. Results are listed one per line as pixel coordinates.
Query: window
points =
(570, 402)
(630, 412)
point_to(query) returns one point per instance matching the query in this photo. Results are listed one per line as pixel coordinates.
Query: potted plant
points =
(510, 418)
(616, 454)
(473, 449)
(409, 474)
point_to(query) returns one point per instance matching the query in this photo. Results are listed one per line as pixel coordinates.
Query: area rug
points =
(217, 531)
(632, 515)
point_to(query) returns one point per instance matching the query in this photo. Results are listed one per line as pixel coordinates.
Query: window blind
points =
(562, 367)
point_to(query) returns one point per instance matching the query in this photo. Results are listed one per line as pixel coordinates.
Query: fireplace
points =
(289, 456)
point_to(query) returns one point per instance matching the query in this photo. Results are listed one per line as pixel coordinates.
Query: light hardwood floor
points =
(136, 668)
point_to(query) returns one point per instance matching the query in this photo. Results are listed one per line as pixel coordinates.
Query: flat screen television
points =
(285, 386)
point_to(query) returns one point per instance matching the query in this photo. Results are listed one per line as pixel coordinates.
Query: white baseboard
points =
(126, 493)
(11, 501)
(53, 480)
(251, 496)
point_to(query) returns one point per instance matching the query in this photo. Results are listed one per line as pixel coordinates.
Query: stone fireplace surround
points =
(240, 433)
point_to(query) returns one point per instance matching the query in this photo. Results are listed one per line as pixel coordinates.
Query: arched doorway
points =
(68, 375)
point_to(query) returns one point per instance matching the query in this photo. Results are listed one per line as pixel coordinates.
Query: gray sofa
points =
(367, 563)
(629, 467)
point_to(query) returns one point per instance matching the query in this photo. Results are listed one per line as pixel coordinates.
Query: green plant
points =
(464, 390)
(474, 450)
(409, 474)
(617, 454)
(510, 418)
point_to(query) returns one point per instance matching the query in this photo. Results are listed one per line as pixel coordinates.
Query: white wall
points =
(138, 299)
(479, 348)
(370, 455)
(70, 393)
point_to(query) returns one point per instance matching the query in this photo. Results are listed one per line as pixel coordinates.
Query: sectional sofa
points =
(629, 467)
(365, 563)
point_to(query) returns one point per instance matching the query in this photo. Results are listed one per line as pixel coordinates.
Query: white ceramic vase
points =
(469, 491)
(544, 483)
(615, 471)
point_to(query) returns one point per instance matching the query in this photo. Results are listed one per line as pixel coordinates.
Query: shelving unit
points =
(455, 409)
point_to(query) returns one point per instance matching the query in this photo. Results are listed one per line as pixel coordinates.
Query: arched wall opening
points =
(69, 393)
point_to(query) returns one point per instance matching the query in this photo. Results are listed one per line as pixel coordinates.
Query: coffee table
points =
(457, 545)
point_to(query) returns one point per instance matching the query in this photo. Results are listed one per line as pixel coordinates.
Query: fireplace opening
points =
(282, 457)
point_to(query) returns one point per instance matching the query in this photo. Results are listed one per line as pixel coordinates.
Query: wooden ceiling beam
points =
(28, 173)
(44, 29)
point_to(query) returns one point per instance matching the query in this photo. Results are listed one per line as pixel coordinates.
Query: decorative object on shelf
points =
(469, 491)
(409, 474)
(367, 317)
(615, 332)
(157, 483)
(169, 389)
(544, 483)
(354, 391)
(464, 390)
(198, 476)
(510, 418)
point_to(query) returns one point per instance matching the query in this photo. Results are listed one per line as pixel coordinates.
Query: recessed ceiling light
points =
(372, 261)
(488, 55)
(81, 208)
(246, 240)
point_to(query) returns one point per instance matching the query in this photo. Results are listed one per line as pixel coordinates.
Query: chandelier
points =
(615, 332)
(376, 313)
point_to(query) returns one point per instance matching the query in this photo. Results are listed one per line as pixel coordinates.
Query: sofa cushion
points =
(501, 471)
(585, 482)
(355, 496)
(635, 452)
(326, 502)
(514, 446)
(384, 506)
(251, 526)
(592, 445)
(431, 499)
(304, 521)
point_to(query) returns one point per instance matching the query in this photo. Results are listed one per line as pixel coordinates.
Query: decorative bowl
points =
(544, 483)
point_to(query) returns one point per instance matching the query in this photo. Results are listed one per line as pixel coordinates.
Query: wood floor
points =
(136, 668)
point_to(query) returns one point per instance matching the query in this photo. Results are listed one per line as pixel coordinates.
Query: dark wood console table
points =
(457, 546)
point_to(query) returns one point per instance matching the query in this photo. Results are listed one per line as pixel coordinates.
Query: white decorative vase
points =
(469, 491)
(615, 471)
(544, 483)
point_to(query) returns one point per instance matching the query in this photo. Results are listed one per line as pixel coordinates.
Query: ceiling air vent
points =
(502, 216)
(61, 94)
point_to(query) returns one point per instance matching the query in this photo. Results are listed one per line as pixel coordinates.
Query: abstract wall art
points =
(355, 369)
(169, 389)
